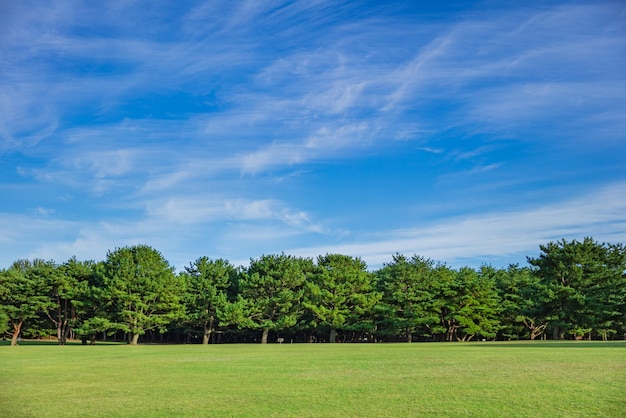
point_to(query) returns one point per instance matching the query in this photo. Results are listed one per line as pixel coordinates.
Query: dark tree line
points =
(572, 290)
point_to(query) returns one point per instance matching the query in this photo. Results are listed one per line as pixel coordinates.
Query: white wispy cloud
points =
(89, 99)
(498, 238)
(326, 142)
(334, 81)
(213, 208)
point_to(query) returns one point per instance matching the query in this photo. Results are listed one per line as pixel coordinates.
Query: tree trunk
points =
(558, 333)
(134, 339)
(208, 329)
(537, 331)
(65, 332)
(64, 324)
(266, 332)
(409, 336)
(333, 335)
(451, 333)
(17, 328)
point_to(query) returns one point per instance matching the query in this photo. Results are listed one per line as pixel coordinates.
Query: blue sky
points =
(468, 132)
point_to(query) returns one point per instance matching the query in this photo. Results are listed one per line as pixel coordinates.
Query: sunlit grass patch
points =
(475, 379)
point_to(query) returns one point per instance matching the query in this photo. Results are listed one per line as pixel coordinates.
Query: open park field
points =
(525, 379)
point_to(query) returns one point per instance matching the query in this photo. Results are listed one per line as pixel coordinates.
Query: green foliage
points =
(64, 286)
(575, 289)
(142, 290)
(341, 294)
(4, 323)
(471, 305)
(585, 284)
(24, 293)
(91, 300)
(208, 282)
(272, 291)
(410, 304)
(522, 297)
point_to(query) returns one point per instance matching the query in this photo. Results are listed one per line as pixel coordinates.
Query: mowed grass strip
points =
(458, 379)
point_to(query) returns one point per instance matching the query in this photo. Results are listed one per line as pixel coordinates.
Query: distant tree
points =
(4, 323)
(606, 297)
(4, 293)
(446, 292)
(340, 293)
(23, 294)
(62, 285)
(585, 284)
(471, 303)
(523, 303)
(208, 282)
(142, 290)
(271, 293)
(409, 302)
(89, 315)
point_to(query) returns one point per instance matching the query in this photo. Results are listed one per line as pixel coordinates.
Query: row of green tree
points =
(572, 290)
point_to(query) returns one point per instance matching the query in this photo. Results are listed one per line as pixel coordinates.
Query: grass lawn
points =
(525, 379)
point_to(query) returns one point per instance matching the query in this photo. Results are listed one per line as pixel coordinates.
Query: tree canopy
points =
(141, 290)
(572, 289)
(585, 286)
(341, 293)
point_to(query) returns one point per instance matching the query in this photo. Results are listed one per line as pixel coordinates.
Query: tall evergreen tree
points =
(585, 284)
(24, 294)
(271, 293)
(471, 304)
(63, 286)
(523, 299)
(144, 293)
(88, 304)
(208, 282)
(409, 302)
(341, 293)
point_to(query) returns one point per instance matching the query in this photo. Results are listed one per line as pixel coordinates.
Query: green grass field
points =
(543, 379)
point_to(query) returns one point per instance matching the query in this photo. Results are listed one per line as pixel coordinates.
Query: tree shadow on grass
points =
(552, 344)
(7, 343)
